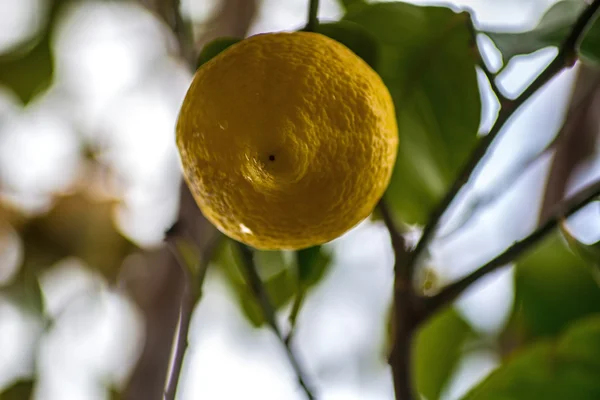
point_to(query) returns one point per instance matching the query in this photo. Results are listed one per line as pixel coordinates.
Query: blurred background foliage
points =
(89, 183)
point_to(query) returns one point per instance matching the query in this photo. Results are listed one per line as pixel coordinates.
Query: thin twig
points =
(561, 211)
(194, 279)
(577, 137)
(294, 313)
(498, 189)
(491, 77)
(566, 57)
(313, 10)
(398, 242)
(256, 285)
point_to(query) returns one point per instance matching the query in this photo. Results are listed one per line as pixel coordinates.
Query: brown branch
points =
(560, 211)
(407, 311)
(313, 11)
(577, 137)
(160, 287)
(152, 281)
(260, 293)
(566, 57)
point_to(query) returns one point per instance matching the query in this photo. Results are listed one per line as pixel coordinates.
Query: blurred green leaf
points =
(312, 264)
(553, 288)
(427, 61)
(568, 368)
(346, 4)
(438, 348)
(21, 390)
(113, 394)
(552, 29)
(278, 279)
(589, 252)
(354, 37)
(26, 292)
(29, 74)
(213, 48)
(280, 289)
(76, 226)
(28, 69)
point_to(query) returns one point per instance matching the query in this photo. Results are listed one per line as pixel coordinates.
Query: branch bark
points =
(410, 309)
(560, 211)
(577, 138)
(566, 57)
(406, 311)
(158, 285)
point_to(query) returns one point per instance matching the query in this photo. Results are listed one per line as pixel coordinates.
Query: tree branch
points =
(194, 276)
(158, 284)
(313, 11)
(577, 137)
(560, 211)
(260, 293)
(406, 311)
(566, 57)
(398, 243)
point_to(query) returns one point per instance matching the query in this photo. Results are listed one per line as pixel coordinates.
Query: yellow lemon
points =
(287, 140)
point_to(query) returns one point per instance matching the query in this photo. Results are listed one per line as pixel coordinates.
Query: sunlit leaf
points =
(438, 348)
(567, 368)
(21, 390)
(553, 288)
(353, 36)
(552, 29)
(427, 61)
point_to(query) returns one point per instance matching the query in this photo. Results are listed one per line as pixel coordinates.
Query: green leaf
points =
(76, 227)
(28, 69)
(21, 390)
(427, 61)
(312, 265)
(114, 394)
(276, 273)
(29, 74)
(213, 48)
(553, 288)
(437, 351)
(346, 4)
(552, 29)
(588, 252)
(551, 370)
(354, 37)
